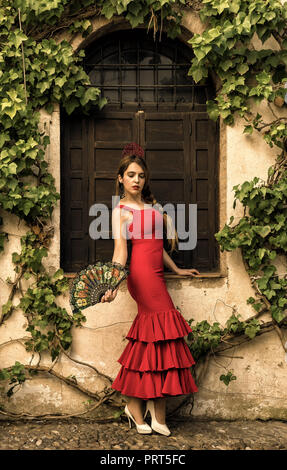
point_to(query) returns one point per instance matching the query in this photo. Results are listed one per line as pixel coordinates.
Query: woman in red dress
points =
(156, 361)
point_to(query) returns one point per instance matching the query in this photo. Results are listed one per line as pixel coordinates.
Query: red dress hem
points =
(156, 361)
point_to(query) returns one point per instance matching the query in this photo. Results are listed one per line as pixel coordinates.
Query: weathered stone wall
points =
(260, 366)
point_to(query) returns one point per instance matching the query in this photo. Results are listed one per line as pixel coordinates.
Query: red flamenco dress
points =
(156, 361)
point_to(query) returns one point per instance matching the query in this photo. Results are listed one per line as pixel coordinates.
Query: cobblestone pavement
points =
(79, 434)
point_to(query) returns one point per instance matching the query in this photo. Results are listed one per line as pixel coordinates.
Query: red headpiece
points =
(133, 149)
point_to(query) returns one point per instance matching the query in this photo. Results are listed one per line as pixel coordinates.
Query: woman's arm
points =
(120, 247)
(171, 265)
(169, 262)
(120, 242)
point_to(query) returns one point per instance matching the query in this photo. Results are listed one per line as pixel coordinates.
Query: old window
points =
(152, 101)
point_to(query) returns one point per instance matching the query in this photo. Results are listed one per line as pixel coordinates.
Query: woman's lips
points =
(135, 187)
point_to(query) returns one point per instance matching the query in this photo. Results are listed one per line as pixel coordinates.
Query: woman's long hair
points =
(147, 195)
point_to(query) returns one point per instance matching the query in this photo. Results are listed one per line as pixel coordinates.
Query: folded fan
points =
(92, 283)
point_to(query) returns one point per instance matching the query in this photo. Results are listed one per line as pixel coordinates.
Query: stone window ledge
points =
(172, 275)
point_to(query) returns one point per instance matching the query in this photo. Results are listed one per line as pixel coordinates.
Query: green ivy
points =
(144, 12)
(225, 46)
(16, 376)
(261, 235)
(227, 378)
(206, 337)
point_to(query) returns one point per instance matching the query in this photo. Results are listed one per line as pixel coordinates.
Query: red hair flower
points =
(133, 149)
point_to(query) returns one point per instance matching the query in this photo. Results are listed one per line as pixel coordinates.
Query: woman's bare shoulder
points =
(120, 211)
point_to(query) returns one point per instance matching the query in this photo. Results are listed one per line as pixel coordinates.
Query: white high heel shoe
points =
(141, 428)
(156, 426)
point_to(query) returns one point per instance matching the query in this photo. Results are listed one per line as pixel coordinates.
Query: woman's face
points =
(133, 179)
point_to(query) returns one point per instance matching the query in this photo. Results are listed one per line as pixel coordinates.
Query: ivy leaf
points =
(242, 69)
(59, 274)
(282, 302)
(227, 378)
(6, 308)
(91, 94)
(13, 168)
(71, 105)
(257, 307)
(11, 111)
(4, 374)
(102, 102)
(277, 314)
(263, 78)
(252, 328)
(43, 86)
(27, 206)
(262, 231)
(59, 81)
(248, 130)
(17, 37)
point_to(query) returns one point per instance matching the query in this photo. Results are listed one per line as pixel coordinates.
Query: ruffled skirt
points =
(156, 361)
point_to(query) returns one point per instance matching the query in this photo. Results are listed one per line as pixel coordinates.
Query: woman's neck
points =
(133, 201)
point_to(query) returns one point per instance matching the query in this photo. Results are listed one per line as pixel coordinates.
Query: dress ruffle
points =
(156, 361)
(156, 356)
(147, 385)
(158, 326)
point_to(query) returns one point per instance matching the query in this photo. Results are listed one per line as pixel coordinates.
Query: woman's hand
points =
(109, 296)
(187, 272)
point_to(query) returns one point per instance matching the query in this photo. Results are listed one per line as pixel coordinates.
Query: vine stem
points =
(268, 309)
(83, 363)
(3, 316)
(204, 368)
(279, 332)
(265, 328)
(68, 20)
(273, 122)
(17, 340)
(271, 109)
(61, 416)
(23, 58)
(68, 381)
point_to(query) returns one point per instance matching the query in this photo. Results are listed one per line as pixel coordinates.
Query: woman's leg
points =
(135, 406)
(159, 406)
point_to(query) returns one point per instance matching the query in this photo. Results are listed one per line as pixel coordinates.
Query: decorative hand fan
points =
(92, 283)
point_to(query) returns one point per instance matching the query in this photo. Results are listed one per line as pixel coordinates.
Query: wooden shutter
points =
(108, 134)
(74, 193)
(165, 139)
(180, 149)
(204, 182)
(181, 152)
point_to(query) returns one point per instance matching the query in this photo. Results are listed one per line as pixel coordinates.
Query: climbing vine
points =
(248, 76)
(37, 72)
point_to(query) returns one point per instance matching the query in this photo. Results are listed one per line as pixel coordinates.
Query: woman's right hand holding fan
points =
(109, 295)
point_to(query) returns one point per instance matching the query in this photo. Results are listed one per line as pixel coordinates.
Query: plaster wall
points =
(260, 366)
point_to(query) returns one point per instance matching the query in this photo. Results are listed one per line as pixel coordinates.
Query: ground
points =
(80, 434)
